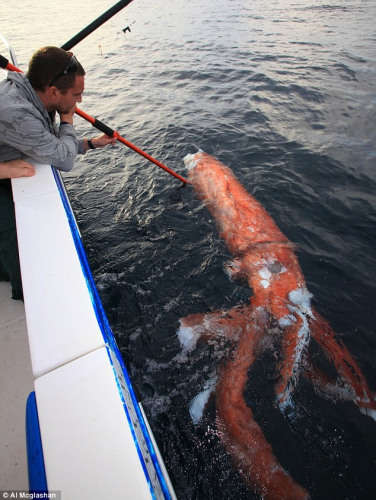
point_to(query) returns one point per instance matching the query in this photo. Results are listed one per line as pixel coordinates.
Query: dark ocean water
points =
(284, 93)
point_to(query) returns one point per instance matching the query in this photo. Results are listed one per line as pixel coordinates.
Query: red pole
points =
(113, 133)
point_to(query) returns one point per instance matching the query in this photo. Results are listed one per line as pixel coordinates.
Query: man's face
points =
(65, 102)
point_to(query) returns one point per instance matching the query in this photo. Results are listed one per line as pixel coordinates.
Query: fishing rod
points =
(5, 64)
(95, 24)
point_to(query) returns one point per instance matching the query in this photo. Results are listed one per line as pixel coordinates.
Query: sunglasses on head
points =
(71, 67)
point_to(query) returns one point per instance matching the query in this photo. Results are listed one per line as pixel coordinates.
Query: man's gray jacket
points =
(27, 131)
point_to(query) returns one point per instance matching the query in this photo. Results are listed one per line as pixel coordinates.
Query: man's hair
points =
(47, 64)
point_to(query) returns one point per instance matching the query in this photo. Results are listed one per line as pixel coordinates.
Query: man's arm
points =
(30, 137)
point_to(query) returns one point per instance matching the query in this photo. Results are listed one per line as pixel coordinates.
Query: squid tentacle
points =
(240, 432)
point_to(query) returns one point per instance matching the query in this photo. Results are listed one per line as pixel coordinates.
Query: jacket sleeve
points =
(29, 135)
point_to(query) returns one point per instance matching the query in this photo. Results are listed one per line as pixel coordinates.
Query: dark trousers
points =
(9, 260)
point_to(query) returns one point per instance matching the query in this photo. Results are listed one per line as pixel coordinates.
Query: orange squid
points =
(266, 259)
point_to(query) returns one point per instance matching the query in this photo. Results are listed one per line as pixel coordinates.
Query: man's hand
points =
(102, 141)
(68, 115)
(16, 168)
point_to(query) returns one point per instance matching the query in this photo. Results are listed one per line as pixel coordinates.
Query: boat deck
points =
(16, 382)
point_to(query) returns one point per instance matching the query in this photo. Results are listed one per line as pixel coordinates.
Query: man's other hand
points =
(16, 168)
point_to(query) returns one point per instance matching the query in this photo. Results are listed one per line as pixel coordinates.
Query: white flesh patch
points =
(190, 161)
(188, 337)
(265, 276)
(301, 298)
(199, 402)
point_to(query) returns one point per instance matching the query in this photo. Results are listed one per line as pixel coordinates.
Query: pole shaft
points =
(113, 133)
(150, 158)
